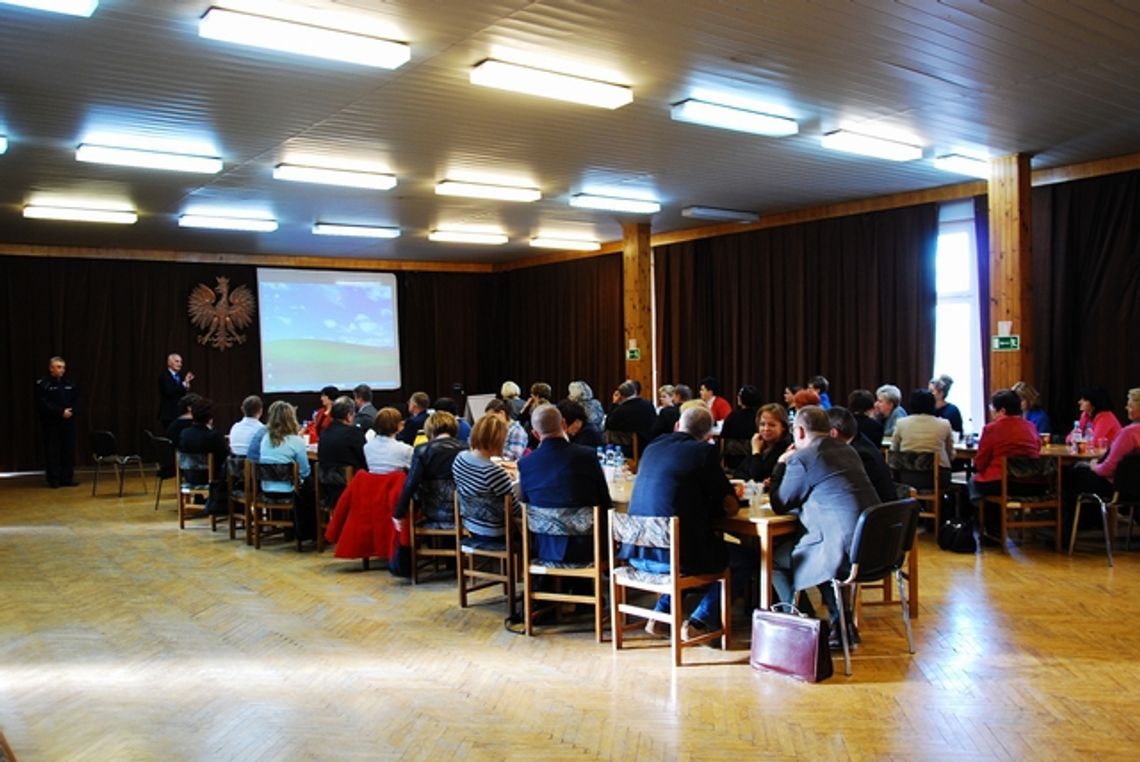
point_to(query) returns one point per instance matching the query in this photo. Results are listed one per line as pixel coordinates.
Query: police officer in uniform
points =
(56, 396)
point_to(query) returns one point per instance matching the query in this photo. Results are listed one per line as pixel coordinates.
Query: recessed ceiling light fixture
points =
(71, 7)
(614, 204)
(487, 190)
(733, 118)
(870, 145)
(302, 39)
(134, 157)
(963, 165)
(226, 222)
(355, 231)
(3, 143)
(466, 236)
(714, 213)
(550, 84)
(566, 244)
(78, 214)
(350, 178)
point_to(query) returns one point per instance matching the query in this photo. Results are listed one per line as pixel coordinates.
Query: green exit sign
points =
(633, 353)
(1006, 343)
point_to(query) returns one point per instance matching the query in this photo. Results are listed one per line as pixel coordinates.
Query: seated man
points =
(631, 414)
(561, 475)
(680, 475)
(200, 438)
(577, 425)
(822, 480)
(242, 432)
(341, 444)
(846, 429)
(417, 415)
(1007, 435)
(448, 405)
(364, 411)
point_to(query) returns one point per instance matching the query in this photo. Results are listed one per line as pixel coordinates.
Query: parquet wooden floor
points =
(122, 638)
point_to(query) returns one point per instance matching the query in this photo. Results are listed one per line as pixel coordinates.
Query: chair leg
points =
(157, 491)
(726, 610)
(842, 627)
(900, 577)
(142, 476)
(121, 472)
(1076, 522)
(617, 619)
(1108, 516)
(95, 481)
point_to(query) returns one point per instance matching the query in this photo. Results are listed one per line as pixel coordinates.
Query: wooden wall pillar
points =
(636, 256)
(1011, 274)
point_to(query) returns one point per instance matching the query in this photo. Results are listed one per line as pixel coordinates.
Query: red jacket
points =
(1010, 435)
(361, 525)
(720, 408)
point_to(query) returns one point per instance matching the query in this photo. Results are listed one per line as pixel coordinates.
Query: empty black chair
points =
(105, 452)
(1125, 499)
(883, 535)
(163, 451)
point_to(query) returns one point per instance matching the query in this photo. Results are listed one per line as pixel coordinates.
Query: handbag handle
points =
(786, 608)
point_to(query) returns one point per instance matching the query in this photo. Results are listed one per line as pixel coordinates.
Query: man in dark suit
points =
(200, 438)
(845, 429)
(173, 384)
(578, 427)
(417, 416)
(823, 481)
(559, 474)
(340, 445)
(631, 414)
(365, 411)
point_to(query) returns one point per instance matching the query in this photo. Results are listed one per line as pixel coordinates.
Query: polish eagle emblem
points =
(222, 317)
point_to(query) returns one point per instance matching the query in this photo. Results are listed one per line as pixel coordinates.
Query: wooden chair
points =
(105, 452)
(566, 522)
(273, 513)
(238, 494)
(1030, 498)
(733, 452)
(1122, 506)
(915, 469)
(190, 491)
(165, 459)
(627, 440)
(500, 556)
(432, 532)
(659, 532)
(883, 536)
(330, 483)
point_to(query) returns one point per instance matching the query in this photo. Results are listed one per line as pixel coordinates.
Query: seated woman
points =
(923, 431)
(322, 416)
(580, 391)
(385, 453)
(1031, 407)
(665, 396)
(509, 392)
(282, 444)
(1008, 434)
(888, 407)
(481, 482)
(710, 393)
(771, 439)
(940, 386)
(861, 403)
(430, 480)
(1098, 477)
(515, 444)
(1097, 422)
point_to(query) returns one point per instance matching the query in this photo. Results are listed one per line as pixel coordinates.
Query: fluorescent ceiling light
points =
(222, 222)
(3, 143)
(76, 214)
(868, 145)
(614, 204)
(567, 244)
(133, 157)
(350, 178)
(302, 39)
(71, 7)
(464, 236)
(963, 165)
(732, 118)
(713, 213)
(550, 84)
(355, 231)
(486, 190)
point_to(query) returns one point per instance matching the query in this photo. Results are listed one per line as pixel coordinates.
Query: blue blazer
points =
(563, 475)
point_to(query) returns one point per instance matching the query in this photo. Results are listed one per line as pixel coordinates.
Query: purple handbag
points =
(789, 643)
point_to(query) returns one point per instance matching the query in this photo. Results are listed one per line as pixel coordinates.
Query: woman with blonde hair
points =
(1031, 407)
(482, 482)
(510, 392)
(281, 444)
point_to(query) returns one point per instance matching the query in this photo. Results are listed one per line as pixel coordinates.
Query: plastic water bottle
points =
(1075, 438)
(601, 456)
(619, 460)
(611, 458)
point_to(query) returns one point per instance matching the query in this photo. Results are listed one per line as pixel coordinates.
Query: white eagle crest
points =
(223, 318)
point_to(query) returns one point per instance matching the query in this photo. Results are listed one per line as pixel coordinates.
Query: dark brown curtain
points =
(852, 298)
(1086, 296)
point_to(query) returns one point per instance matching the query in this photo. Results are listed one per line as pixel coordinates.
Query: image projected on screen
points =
(321, 328)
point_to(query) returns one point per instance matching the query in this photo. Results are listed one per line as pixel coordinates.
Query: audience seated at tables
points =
(365, 410)
(741, 422)
(580, 391)
(282, 444)
(510, 392)
(710, 392)
(631, 414)
(242, 432)
(559, 474)
(200, 438)
(580, 430)
(418, 405)
(515, 444)
(1097, 422)
(888, 407)
(820, 385)
(1098, 477)
(680, 475)
(861, 403)
(341, 444)
(940, 387)
(1031, 407)
(668, 416)
(823, 480)
(922, 431)
(322, 418)
(845, 429)
(664, 396)
(481, 482)
(448, 405)
(185, 417)
(1007, 435)
(430, 481)
(772, 437)
(385, 453)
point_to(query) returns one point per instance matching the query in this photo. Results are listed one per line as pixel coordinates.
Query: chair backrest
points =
(490, 510)
(644, 531)
(1027, 470)
(334, 476)
(163, 454)
(193, 461)
(909, 460)
(235, 467)
(731, 447)
(434, 498)
(1126, 480)
(566, 522)
(277, 472)
(622, 438)
(103, 444)
(883, 535)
